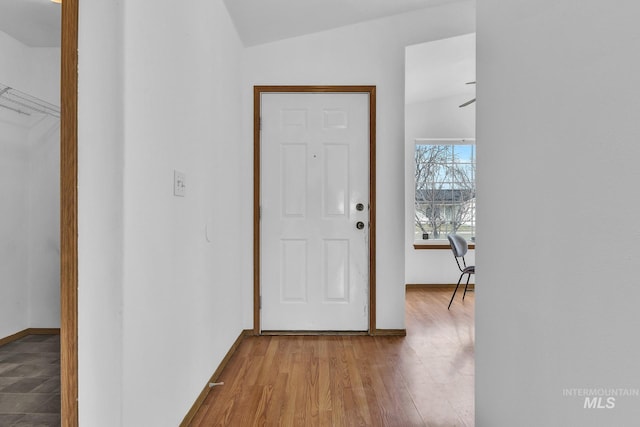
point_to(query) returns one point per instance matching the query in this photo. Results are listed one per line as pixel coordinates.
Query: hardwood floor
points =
(423, 379)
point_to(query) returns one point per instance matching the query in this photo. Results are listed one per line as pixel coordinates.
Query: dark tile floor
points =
(30, 382)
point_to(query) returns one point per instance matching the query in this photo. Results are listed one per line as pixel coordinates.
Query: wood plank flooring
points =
(423, 379)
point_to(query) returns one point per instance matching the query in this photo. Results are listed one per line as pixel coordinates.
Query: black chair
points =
(459, 247)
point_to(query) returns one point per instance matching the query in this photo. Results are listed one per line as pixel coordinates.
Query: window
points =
(445, 189)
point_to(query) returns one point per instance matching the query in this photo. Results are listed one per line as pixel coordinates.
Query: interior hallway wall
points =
(558, 131)
(370, 53)
(181, 270)
(160, 301)
(100, 212)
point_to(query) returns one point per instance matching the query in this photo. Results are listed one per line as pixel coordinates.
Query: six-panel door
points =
(314, 234)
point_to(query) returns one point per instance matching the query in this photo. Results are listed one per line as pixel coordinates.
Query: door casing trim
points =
(257, 93)
(69, 214)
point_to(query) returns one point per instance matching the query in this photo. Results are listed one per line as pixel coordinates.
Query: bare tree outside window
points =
(445, 190)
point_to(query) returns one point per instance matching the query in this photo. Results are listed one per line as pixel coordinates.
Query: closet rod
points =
(23, 103)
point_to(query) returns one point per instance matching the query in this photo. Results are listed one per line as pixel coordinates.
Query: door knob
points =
(360, 225)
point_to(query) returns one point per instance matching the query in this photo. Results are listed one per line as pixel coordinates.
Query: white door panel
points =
(314, 171)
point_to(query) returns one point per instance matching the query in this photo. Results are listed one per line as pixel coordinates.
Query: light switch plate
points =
(179, 185)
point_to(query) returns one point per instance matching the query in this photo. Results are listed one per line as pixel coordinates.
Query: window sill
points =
(436, 244)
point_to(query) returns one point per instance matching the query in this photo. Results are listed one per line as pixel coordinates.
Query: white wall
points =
(100, 212)
(45, 74)
(43, 184)
(15, 63)
(181, 270)
(370, 53)
(35, 71)
(14, 164)
(440, 118)
(29, 195)
(558, 132)
(160, 301)
(29, 231)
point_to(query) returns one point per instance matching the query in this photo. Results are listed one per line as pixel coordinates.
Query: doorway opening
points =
(440, 159)
(67, 18)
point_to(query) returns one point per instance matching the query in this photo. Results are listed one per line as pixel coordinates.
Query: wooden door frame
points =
(257, 93)
(69, 214)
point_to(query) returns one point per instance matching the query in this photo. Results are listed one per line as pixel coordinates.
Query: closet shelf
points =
(23, 103)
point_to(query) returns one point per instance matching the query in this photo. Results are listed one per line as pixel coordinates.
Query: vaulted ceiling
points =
(262, 21)
(36, 23)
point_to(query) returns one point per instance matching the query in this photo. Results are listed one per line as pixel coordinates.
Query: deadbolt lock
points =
(359, 207)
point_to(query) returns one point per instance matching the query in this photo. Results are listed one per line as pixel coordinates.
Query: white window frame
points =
(438, 141)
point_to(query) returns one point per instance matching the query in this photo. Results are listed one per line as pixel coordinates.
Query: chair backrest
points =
(458, 245)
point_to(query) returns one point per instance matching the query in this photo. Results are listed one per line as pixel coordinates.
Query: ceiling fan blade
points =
(467, 103)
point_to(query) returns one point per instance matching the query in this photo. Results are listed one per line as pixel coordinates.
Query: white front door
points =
(314, 211)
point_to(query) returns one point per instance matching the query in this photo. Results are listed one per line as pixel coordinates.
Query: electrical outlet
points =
(179, 185)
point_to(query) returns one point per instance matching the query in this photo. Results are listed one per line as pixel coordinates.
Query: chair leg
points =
(466, 286)
(454, 291)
